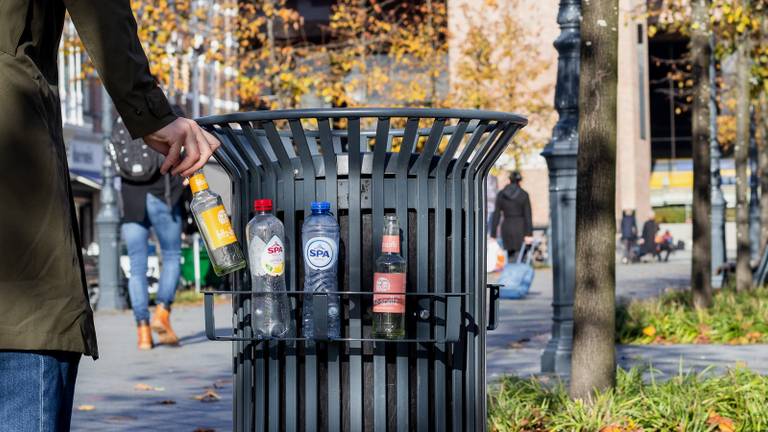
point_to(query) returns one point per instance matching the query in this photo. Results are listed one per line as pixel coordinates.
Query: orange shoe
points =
(161, 324)
(145, 336)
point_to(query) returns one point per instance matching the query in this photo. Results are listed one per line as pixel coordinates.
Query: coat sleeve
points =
(527, 216)
(496, 219)
(108, 31)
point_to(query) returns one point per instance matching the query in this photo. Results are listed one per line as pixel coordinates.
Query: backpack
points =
(134, 159)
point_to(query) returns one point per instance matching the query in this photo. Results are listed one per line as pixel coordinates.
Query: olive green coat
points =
(43, 298)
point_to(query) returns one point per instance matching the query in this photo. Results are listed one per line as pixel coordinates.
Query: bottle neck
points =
(198, 183)
(319, 212)
(390, 244)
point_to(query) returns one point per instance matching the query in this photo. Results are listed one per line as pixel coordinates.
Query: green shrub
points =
(670, 214)
(734, 318)
(734, 401)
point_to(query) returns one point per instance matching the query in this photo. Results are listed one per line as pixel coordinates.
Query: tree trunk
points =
(741, 159)
(701, 265)
(593, 366)
(762, 152)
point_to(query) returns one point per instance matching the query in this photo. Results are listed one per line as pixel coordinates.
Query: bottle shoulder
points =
(321, 221)
(204, 199)
(265, 225)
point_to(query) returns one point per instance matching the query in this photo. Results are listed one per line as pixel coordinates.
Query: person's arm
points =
(527, 216)
(108, 31)
(495, 220)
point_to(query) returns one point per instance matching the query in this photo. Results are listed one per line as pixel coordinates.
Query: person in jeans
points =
(155, 203)
(628, 235)
(46, 322)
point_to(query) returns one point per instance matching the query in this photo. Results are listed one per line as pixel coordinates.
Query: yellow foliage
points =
(649, 331)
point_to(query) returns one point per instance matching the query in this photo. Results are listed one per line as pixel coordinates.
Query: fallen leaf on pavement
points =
(208, 396)
(167, 402)
(120, 419)
(204, 430)
(221, 383)
(724, 424)
(147, 387)
(86, 408)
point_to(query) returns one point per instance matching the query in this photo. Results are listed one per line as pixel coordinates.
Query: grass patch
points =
(734, 318)
(670, 214)
(694, 402)
(188, 297)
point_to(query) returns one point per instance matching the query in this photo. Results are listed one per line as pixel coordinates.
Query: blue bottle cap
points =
(321, 205)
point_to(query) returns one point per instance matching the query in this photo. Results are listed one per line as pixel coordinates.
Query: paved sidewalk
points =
(516, 346)
(154, 390)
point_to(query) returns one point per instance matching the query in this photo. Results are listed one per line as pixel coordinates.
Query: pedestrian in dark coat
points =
(46, 322)
(628, 234)
(650, 228)
(513, 206)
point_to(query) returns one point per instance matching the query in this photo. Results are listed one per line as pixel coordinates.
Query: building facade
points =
(633, 164)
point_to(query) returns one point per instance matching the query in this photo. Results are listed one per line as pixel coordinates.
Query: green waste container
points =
(207, 276)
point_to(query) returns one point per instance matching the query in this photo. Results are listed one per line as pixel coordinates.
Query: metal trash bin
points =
(427, 166)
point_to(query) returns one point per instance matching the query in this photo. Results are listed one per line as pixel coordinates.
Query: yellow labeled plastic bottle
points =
(216, 229)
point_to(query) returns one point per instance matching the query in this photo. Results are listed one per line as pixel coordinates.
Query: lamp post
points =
(718, 199)
(108, 220)
(560, 154)
(754, 196)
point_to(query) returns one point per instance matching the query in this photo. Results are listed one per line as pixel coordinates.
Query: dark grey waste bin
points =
(427, 166)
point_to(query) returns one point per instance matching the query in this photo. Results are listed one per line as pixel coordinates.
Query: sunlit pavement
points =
(525, 326)
(129, 390)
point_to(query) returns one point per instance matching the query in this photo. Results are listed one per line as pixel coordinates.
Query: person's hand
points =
(198, 146)
(528, 239)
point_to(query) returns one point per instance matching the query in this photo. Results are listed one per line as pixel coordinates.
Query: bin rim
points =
(297, 114)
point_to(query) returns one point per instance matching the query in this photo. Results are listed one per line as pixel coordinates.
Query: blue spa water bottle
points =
(320, 240)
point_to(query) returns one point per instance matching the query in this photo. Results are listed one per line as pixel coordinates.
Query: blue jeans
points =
(37, 388)
(167, 224)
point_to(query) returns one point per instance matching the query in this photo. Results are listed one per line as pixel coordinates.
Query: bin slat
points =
(238, 414)
(497, 148)
(292, 238)
(353, 255)
(401, 164)
(458, 362)
(421, 170)
(251, 188)
(379, 356)
(331, 193)
(262, 156)
(308, 174)
(471, 276)
(252, 169)
(241, 303)
(440, 272)
(329, 160)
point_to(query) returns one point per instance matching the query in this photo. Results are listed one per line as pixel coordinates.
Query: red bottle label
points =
(390, 244)
(386, 286)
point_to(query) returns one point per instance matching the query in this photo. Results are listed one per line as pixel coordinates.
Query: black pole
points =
(560, 154)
